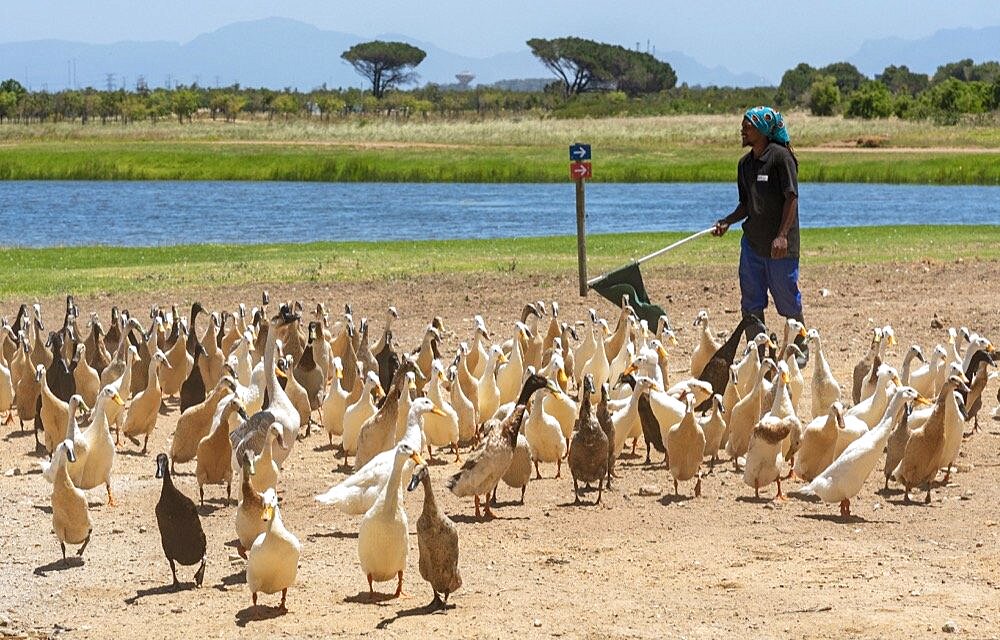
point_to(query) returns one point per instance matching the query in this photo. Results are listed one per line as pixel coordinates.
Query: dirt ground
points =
(635, 566)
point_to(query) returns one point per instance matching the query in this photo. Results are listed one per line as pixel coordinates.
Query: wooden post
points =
(581, 237)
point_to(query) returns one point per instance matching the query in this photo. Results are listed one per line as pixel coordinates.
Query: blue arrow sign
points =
(579, 152)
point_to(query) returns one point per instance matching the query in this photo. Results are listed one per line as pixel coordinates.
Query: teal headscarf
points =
(769, 122)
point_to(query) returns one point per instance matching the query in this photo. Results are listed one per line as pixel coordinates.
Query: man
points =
(767, 178)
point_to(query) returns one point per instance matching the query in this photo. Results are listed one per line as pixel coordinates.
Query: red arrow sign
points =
(580, 170)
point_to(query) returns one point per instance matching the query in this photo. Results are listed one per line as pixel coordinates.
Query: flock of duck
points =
(255, 381)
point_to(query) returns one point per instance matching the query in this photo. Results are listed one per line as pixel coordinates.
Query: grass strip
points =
(123, 270)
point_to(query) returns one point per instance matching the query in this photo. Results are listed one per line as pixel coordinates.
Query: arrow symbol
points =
(579, 152)
(580, 170)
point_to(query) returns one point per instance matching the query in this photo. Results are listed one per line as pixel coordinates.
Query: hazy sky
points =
(742, 36)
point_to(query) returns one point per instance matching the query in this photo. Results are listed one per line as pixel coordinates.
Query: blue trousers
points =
(759, 275)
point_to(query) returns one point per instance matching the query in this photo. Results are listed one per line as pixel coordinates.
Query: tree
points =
(8, 105)
(13, 86)
(871, 100)
(286, 105)
(585, 65)
(824, 96)
(569, 58)
(901, 80)
(795, 83)
(949, 99)
(184, 103)
(847, 75)
(385, 64)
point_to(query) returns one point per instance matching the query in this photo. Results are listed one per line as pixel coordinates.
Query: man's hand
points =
(721, 227)
(779, 247)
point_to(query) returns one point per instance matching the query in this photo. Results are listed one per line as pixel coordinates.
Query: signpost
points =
(580, 169)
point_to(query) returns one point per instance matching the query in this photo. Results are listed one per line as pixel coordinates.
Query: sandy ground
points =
(635, 566)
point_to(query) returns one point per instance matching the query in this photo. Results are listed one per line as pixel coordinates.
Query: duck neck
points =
(392, 486)
(430, 505)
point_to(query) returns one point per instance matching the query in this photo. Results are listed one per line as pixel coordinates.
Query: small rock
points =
(177, 610)
(536, 623)
(949, 627)
(233, 557)
(649, 490)
(824, 293)
(4, 620)
(876, 506)
(967, 495)
(117, 531)
(546, 514)
(935, 323)
(9, 473)
(915, 593)
(142, 529)
(769, 505)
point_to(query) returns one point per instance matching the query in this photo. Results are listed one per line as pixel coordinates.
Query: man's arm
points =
(722, 225)
(789, 213)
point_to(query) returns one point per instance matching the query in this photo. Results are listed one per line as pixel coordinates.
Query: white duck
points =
(440, 430)
(335, 403)
(707, 344)
(383, 539)
(825, 388)
(544, 434)
(843, 479)
(70, 519)
(358, 413)
(357, 493)
(871, 409)
(96, 438)
(487, 391)
(273, 560)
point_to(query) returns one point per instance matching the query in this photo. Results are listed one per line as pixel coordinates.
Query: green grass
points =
(117, 270)
(254, 161)
(654, 149)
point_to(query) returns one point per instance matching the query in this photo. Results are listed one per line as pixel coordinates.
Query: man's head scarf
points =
(769, 122)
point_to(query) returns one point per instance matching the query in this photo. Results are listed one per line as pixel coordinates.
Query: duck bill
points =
(924, 401)
(438, 411)
(417, 476)
(417, 460)
(243, 413)
(632, 368)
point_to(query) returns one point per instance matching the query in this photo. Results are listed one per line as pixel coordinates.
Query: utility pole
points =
(109, 82)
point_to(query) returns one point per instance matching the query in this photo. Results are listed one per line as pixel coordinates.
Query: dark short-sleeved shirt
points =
(763, 183)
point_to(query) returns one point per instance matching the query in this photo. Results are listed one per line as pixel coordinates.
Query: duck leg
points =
(576, 492)
(634, 442)
(371, 588)
(173, 570)
(199, 575)
(648, 460)
(947, 475)
(478, 515)
(487, 512)
(253, 596)
(927, 498)
(454, 445)
(697, 488)
(399, 585)
(598, 494)
(538, 474)
(145, 444)
(86, 541)
(281, 606)
(437, 602)
(229, 492)
(559, 468)
(201, 493)
(845, 508)
(62, 545)
(780, 495)
(675, 487)
(522, 493)
(240, 549)
(111, 498)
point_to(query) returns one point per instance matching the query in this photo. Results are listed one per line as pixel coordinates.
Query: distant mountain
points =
(275, 53)
(925, 55)
(694, 73)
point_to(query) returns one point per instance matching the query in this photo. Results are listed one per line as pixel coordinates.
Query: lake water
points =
(54, 213)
